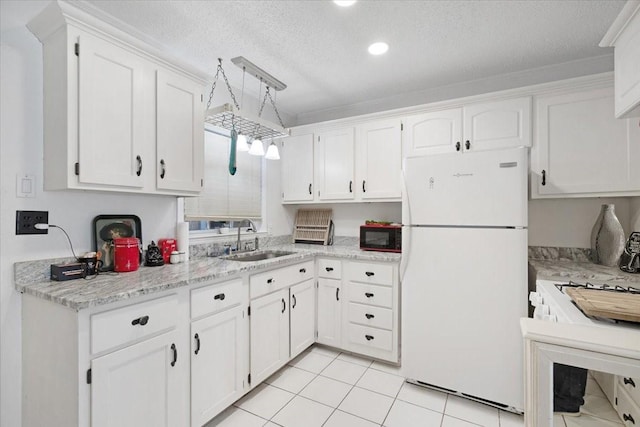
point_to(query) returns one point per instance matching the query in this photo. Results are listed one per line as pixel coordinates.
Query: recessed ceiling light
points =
(344, 3)
(378, 48)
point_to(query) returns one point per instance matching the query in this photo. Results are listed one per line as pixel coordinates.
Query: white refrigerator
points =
(464, 273)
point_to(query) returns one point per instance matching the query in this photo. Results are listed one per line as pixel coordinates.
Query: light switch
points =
(25, 185)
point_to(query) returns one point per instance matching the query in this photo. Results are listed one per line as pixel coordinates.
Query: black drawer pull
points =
(370, 273)
(368, 294)
(337, 294)
(197, 338)
(139, 170)
(369, 316)
(629, 381)
(284, 305)
(369, 337)
(329, 268)
(467, 144)
(140, 321)
(544, 177)
(270, 281)
(458, 146)
(350, 186)
(309, 188)
(628, 417)
(175, 354)
(303, 270)
(221, 297)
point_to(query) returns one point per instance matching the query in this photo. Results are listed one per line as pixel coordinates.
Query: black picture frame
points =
(107, 227)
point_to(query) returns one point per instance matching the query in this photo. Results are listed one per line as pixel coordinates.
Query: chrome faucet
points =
(252, 227)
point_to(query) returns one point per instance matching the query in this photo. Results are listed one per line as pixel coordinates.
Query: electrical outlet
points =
(26, 221)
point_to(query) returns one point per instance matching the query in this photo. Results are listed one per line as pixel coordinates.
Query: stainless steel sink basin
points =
(256, 255)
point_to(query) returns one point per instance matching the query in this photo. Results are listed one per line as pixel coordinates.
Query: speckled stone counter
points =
(32, 277)
(564, 264)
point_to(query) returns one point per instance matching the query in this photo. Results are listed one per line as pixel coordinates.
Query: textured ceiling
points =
(320, 50)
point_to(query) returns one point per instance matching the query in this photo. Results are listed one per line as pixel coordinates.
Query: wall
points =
(21, 152)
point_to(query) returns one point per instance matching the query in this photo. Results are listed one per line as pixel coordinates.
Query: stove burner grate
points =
(605, 287)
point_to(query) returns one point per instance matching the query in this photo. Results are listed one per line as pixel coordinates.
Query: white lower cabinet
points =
(302, 317)
(219, 348)
(138, 385)
(269, 334)
(283, 320)
(329, 312)
(359, 312)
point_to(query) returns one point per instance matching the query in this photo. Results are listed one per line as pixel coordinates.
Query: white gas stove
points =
(553, 304)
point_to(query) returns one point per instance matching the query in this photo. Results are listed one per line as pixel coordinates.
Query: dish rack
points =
(313, 226)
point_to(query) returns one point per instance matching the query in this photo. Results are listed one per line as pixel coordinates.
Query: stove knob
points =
(535, 298)
(541, 311)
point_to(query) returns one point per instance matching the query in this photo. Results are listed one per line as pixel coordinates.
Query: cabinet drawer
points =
(215, 298)
(370, 337)
(381, 274)
(330, 268)
(120, 326)
(370, 294)
(371, 316)
(632, 386)
(269, 281)
(627, 408)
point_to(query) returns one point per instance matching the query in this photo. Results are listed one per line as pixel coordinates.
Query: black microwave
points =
(379, 237)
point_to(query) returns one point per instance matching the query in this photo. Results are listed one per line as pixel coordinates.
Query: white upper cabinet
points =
(379, 160)
(624, 35)
(114, 109)
(335, 161)
(180, 133)
(483, 126)
(581, 149)
(500, 124)
(432, 133)
(111, 114)
(296, 157)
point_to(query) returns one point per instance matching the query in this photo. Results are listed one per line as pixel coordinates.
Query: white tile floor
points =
(323, 387)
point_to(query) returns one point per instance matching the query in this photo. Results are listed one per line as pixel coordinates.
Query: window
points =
(225, 197)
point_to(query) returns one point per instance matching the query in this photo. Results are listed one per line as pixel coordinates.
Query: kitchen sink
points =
(256, 255)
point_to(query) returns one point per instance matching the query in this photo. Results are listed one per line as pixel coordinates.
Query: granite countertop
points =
(565, 264)
(32, 277)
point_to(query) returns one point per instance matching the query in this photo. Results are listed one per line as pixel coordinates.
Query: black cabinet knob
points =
(369, 337)
(197, 338)
(368, 294)
(221, 297)
(369, 316)
(458, 146)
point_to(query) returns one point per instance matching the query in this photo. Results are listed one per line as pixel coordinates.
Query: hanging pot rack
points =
(229, 116)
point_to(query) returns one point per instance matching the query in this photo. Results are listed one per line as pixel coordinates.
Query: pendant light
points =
(242, 143)
(272, 152)
(257, 149)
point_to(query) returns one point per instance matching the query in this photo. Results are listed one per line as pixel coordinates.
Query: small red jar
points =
(126, 254)
(166, 247)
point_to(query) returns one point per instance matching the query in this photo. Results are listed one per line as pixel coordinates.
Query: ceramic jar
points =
(607, 237)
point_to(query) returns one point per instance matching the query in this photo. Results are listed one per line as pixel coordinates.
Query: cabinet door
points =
(380, 160)
(329, 312)
(627, 69)
(432, 133)
(303, 317)
(499, 124)
(269, 334)
(219, 363)
(334, 153)
(582, 149)
(296, 159)
(138, 385)
(111, 119)
(179, 133)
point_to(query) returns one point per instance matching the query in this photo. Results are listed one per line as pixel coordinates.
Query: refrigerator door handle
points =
(406, 232)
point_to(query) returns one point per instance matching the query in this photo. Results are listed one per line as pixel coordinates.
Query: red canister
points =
(126, 254)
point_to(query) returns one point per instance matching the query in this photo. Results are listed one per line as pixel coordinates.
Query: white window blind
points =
(225, 196)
